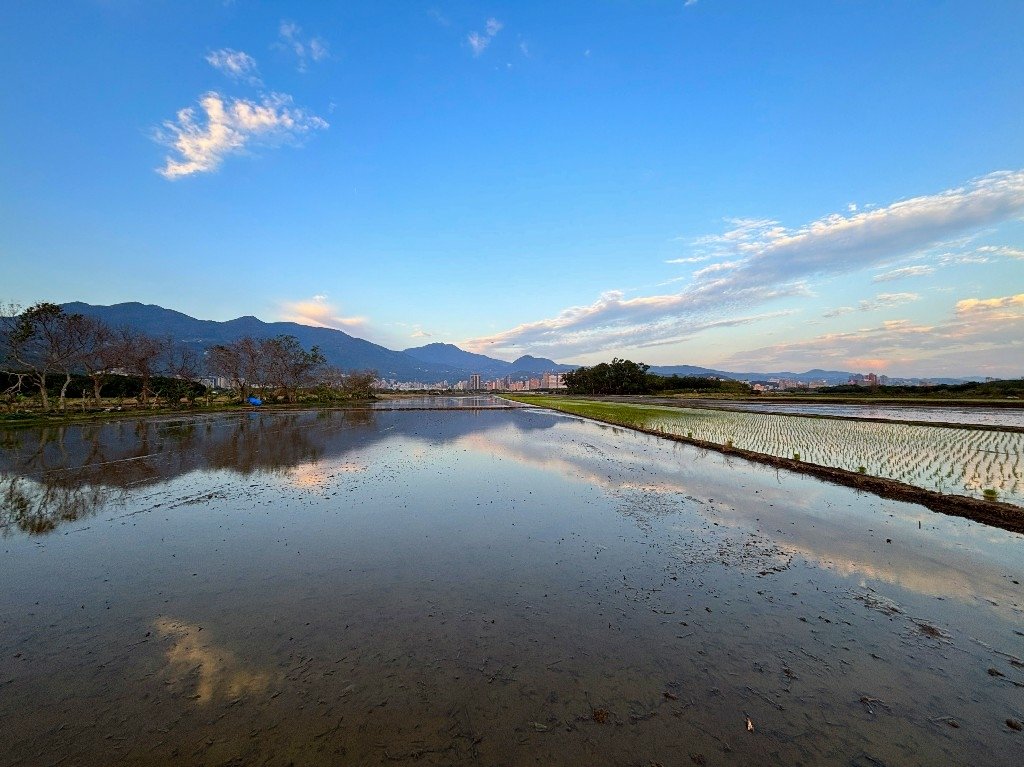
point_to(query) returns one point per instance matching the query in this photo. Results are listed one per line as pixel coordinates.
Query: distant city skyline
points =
(724, 184)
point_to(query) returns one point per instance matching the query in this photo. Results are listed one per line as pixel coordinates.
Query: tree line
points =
(627, 377)
(48, 351)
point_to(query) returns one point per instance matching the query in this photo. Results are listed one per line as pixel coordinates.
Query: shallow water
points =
(443, 402)
(493, 587)
(979, 416)
(944, 459)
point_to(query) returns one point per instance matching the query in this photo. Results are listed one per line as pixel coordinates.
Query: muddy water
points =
(492, 587)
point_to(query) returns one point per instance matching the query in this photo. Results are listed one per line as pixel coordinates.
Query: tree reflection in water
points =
(53, 475)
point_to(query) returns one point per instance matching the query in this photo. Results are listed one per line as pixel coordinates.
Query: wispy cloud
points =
(690, 259)
(319, 312)
(478, 41)
(903, 273)
(887, 301)
(759, 260)
(305, 49)
(238, 65)
(984, 335)
(839, 311)
(1001, 251)
(230, 125)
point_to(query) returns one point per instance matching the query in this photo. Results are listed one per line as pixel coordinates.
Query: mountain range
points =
(430, 364)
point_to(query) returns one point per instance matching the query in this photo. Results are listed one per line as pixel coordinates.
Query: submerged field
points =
(485, 586)
(944, 459)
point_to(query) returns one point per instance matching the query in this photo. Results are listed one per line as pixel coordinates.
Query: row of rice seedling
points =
(950, 460)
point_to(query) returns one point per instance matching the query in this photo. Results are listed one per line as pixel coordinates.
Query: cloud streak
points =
(903, 273)
(228, 126)
(977, 328)
(758, 260)
(887, 301)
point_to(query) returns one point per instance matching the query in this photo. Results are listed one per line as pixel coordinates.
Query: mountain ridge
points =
(428, 364)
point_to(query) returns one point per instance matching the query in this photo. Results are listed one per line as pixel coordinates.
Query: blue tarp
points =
(255, 401)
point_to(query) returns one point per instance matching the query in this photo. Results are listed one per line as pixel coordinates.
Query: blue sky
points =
(746, 185)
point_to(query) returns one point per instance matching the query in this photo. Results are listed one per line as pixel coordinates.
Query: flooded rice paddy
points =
(979, 416)
(940, 458)
(506, 586)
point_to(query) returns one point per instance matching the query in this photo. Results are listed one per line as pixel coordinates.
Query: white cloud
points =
(1001, 250)
(305, 49)
(479, 41)
(839, 311)
(319, 312)
(887, 301)
(904, 272)
(984, 336)
(238, 65)
(760, 259)
(970, 306)
(689, 259)
(420, 333)
(230, 126)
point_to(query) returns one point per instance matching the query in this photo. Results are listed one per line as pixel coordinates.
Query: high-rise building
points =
(474, 381)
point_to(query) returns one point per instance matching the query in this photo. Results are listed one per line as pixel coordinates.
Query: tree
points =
(227, 361)
(42, 341)
(139, 354)
(99, 353)
(618, 377)
(180, 366)
(358, 384)
(288, 365)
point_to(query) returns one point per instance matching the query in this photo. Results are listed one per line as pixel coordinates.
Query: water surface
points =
(484, 586)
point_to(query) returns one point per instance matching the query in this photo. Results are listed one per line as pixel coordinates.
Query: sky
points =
(739, 185)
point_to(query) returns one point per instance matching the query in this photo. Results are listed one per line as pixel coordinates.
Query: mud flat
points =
(485, 587)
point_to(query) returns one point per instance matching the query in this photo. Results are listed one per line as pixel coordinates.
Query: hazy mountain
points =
(831, 376)
(449, 354)
(341, 349)
(452, 355)
(528, 363)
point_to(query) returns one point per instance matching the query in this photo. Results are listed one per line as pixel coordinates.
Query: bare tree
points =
(139, 354)
(358, 384)
(288, 365)
(236, 362)
(42, 341)
(99, 353)
(181, 366)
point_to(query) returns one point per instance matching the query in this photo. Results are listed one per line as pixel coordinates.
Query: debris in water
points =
(750, 725)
